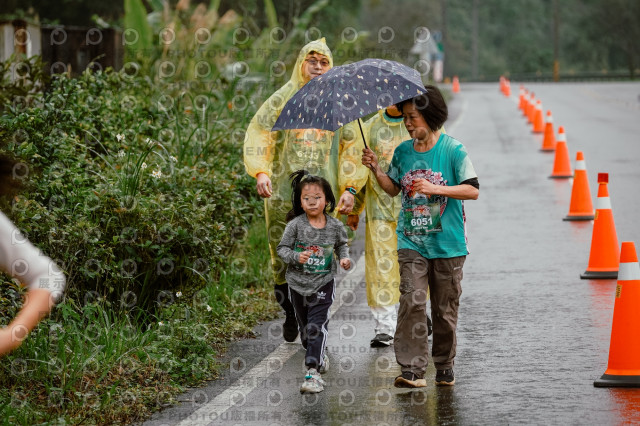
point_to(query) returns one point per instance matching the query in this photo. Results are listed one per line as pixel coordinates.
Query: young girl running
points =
(308, 244)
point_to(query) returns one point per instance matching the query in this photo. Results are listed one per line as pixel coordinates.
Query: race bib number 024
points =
(422, 219)
(320, 260)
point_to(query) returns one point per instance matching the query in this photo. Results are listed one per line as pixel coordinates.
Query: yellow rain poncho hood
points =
(336, 156)
(268, 113)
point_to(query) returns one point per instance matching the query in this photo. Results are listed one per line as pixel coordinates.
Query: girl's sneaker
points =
(313, 383)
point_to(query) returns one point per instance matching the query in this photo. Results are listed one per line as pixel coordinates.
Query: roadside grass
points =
(89, 364)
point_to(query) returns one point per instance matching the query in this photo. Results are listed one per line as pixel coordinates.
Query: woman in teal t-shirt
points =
(434, 174)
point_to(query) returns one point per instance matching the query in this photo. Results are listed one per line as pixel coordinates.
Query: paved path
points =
(532, 335)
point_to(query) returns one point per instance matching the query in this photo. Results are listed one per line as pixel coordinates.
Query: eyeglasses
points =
(313, 62)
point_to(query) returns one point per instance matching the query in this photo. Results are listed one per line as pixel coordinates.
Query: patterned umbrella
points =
(347, 92)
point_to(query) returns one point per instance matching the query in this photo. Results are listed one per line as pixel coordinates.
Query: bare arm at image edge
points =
(45, 283)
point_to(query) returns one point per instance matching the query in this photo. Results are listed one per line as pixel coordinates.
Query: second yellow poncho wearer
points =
(381, 260)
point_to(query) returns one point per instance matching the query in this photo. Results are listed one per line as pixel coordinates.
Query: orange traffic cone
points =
(507, 88)
(531, 107)
(456, 85)
(581, 207)
(549, 141)
(525, 106)
(538, 121)
(521, 98)
(603, 259)
(561, 162)
(624, 349)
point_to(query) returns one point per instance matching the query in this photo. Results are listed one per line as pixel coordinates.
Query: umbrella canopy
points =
(348, 92)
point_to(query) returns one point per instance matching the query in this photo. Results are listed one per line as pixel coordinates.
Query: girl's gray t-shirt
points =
(325, 244)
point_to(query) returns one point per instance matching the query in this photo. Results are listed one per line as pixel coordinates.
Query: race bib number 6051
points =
(422, 219)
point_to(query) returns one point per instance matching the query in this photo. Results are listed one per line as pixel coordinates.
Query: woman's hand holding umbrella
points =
(370, 160)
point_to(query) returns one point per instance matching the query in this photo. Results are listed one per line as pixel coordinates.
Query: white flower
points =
(179, 294)
(121, 153)
(173, 158)
(120, 137)
(156, 174)
(209, 308)
(144, 166)
(160, 323)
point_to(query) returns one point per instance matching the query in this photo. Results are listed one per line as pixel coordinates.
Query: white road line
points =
(237, 394)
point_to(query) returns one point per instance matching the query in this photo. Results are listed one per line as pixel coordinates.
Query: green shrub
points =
(136, 189)
(19, 80)
(88, 364)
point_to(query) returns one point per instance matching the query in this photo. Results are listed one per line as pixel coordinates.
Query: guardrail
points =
(565, 77)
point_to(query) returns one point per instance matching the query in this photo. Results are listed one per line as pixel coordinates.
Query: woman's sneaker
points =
(313, 383)
(409, 380)
(445, 377)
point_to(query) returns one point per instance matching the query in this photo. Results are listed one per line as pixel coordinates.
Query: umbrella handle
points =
(373, 169)
(362, 133)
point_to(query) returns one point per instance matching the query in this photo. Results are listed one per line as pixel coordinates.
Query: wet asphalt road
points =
(532, 335)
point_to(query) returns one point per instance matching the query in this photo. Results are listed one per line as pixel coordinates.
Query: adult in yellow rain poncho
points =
(271, 157)
(384, 132)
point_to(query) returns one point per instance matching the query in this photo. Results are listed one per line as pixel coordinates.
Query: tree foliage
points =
(514, 36)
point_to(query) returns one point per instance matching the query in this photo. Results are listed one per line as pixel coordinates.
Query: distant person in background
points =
(434, 174)
(271, 157)
(20, 259)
